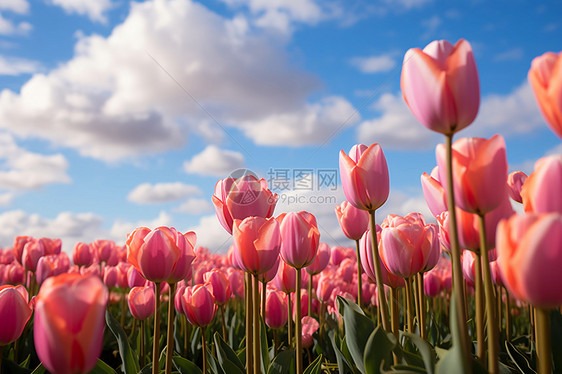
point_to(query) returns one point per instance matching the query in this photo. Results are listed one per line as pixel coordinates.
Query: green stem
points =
(289, 320)
(458, 289)
(249, 320)
(395, 312)
(378, 274)
(123, 309)
(409, 305)
(310, 295)
(141, 358)
(256, 329)
(263, 296)
(170, 335)
(423, 306)
(359, 270)
(223, 323)
(507, 317)
(544, 348)
(417, 305)
(204, 349)
(156, 345)
(493, 343)
(298, 324)
(479, 312)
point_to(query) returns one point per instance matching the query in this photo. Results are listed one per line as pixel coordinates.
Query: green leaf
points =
(10, 366)
(426, 351)
(264, 349)
(519, 358)
(315, 366)
(185, 366)
(343, 364)
(102, 368)
(404, 369)
(227, 358)
(377, 349)
(358, 329)
(283, 363)
(129, 358)
(452, 361)
(556, 333)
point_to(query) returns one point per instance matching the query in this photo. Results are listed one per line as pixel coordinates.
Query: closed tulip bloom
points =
(14, 312)
(529, 256)
(496, 273)
(69, 323)
(545, 76)
(141, 302)
(431, 283)
(83, 255)
(433, 192)
(286, 278)
(309, 327)
(364, 176)
(217, 282)
(515, 181)
(32, 252)
(51, 265)
(321, 260)
(198, 305)
(257, 241)
(162, 254)
(300, 238)
(325, 286)
(367, 262)
(480, 170)
(134, 278)
(440, 85)
(353, 222)
(276, 312)
(269, 275)
(104, 250)
(19, 244)
(468, 259)
(241, 198)
(541, 190)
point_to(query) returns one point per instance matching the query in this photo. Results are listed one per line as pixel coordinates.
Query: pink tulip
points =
(541, 190)
(325, 286)
(19, 244)
(440, 85)
(468, 259)
(236, 279)
(141, 302)
(14, 273)
(480, 170)
(241, 198)
(32, 252)
(257, 241)
(51, 265)
(14, 312)
(337, 255)
(83, 254)
(309, 327)
(408, 244)
(269, 275)
(364, 176)
(218, 284)
(496, 273)
(162, 254)
(69, 323)
(198, 305)
(529, 256)
(301, 238)
(321, 260)
(515, 181)
(433, 192)
(104, 250)
(134, 278)
(276, 312)
(545, 76)
(286, 278)
(354, 222)
(366, 253)
(431, 283)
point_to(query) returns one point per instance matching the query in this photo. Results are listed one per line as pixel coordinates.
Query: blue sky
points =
(116, 114)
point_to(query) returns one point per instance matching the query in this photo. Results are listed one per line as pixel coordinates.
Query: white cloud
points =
(402, 203)
(159, 193)
(195, 206)
(431, 25)
(8, 27)
(512, 54)
(16, 6)
(212, 235)
(93, 9)
(6, 198)
(120, 228)
(374, 64)
(214, 161)
(17, 66)
(24, 170)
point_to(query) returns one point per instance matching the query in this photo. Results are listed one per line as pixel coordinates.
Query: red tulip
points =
(69, 323)
(300, 238)
(257, 241)
(440, 85)
(141, 302)
(14, 312)
(354, 222)
(541, 190)
(241, 198)
(480, 170)
(529, 256)
(364, 176)
(276, 309)
(515, 181)
(198, 304)
(545, 76)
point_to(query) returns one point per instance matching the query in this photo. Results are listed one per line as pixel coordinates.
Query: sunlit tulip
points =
(285, 280)
(199, 306)
(14, 312)
(69, 323)
(440, 85)
(51, 265)
(515, 181)
(529, 256)
(431, 283)
(366, 253)
(541, 191)
(300, 238)
(545, 76)
(433, 192)
(309, 327)
(257, 241)
(32, 252)
(217, 282)
(364, 176)
(276, 309)
(353, 221)
(241, 198)
(468, 265)
(141, 302)
(19, 244)
(480, 170)
(321, 260)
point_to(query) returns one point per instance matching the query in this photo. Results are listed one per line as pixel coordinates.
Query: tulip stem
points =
(493, 343)
(479, 312)
(141, 358)
(223, 323)
(289, 319)
(507, 316)
(359, 286)
(298, 324)
(458, 288)
(263, 297)
(409, 305)
(204, 349)
(416, 292)
(378, 274)
(544, 349)
(422, 305)
(249, 320)
(257, 325)
(395, 312)
(310, 295)
(155, 344)
(170, 335)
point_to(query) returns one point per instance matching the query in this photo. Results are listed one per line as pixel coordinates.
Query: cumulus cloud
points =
(195, 206)
(121, 228)
(212, 235)
(374, 64)
(93, 9)
(214, 161)
(8, 27)
(24, 170)
(17, 66)
(159, 193)
(16, 6)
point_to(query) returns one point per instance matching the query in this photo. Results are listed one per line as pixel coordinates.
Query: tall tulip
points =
(541, 191)
(276, 311)
(515, 181)
(14, 313)
(433, 192)
(69, 323)
(545, 76)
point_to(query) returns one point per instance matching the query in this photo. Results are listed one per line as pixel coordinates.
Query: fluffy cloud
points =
(195, 206)
(212, 235)
(214, 161)
(93, 9)
(374, 64)
(159, 193)
(17, 66)
(16, 6)
(24, 170)
(8, 27)
(121, 228)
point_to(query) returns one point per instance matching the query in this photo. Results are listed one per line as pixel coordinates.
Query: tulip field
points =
(474, 288)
